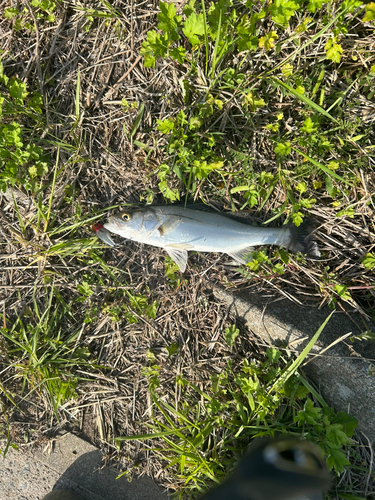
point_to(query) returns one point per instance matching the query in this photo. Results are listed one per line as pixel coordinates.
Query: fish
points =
(179, 230)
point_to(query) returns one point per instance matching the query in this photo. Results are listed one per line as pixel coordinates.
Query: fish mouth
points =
(113, 220)
(114, 224)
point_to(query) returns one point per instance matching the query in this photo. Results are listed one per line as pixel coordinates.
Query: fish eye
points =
(125, 216)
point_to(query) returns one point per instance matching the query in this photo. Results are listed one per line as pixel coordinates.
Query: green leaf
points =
(349, 496)
(239, 189)
(278, 269)
(166, 126)
(282, 10)
(309, 126)
(301, 187)
(329, 185)
(304, 99)
(230, 334)
(10, 12)
(347, 212)
(33, 171)
(137, 121)
(368, 261)
(273, 354)
(195, 123)
(287, 70)
(337, 460)
(268, 41)
(370, 12)
(155, 45)
(17, 89)
(315, 5)
(309, 415)
(341, 291)
(322, 167)
(348, 422)
(172, 349)
(252, 102)
(189, 7)
(284, 256)
(178, 54)
(297, 218)
(246, 32)
(194, 25)
(169, 23)
(148, 53)
(283, 149)
(333, 50)
(290, 370)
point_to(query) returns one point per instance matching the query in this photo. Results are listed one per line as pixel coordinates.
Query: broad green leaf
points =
(315, 5)
(283, 149)
(370, 12)
(333, 51)
(283, 10)
(194, 25)
(166, 126)
(169, 22)
(17, 89)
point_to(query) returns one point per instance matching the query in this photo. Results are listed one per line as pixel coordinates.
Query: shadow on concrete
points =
(92, 482)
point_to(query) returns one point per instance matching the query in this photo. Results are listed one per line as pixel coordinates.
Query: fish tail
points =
(302, 239)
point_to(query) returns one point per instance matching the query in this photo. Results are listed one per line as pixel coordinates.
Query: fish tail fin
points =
(302, 239)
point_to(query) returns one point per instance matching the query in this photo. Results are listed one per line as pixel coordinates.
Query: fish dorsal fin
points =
(178, 255)
(242, 255)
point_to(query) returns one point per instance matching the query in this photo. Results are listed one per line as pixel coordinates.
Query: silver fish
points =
(179, 230)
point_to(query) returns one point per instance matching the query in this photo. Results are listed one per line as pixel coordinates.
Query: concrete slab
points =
(345, 373)
(70, 463)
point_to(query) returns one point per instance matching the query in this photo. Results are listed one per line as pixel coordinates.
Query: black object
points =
(277, 469)
(62, 495)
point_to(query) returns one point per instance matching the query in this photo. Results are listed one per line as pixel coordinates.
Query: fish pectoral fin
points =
(178, 255)
(242, 255)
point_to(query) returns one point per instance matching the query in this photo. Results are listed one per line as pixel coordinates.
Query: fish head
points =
(132, 223)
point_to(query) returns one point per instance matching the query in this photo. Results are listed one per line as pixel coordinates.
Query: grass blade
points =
(137, 121)
(289, 371)
(78, 86)
(325, 169)
(217, 41)
(205, 35)
(304, 99)
(52, 191)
